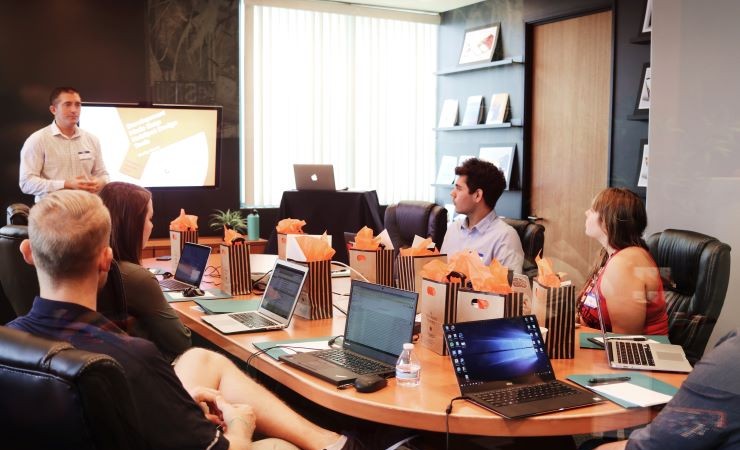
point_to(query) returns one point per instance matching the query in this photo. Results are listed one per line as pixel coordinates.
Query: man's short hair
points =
(57, 91)
(67, 230)
(485, 176)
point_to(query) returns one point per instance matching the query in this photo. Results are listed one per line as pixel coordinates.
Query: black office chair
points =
(17, 214)
(532, 236)
(696, 271)
(19, 285)
(58, 397)
(409, 218)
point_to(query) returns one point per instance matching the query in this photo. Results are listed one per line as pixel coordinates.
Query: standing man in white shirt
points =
(477, 189)
(62, 156)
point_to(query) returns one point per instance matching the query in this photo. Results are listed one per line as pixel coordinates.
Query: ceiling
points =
(434, 6)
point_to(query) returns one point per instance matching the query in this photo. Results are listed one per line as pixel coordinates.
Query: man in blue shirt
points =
(704, 413)
(478, 187)
(203, 401)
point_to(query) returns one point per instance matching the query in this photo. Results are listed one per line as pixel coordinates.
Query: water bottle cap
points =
(254, 211)
(408, 346)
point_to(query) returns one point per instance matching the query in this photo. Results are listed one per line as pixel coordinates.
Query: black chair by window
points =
(19, 285)
(532, 236)
(696, 271)
(58, 397)
(17, 214)
(409, 218)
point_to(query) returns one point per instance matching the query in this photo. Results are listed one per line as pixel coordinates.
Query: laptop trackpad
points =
(669, 356)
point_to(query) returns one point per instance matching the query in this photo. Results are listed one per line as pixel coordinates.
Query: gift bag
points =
(437, 307)
(235, 271)
(316, 299)
(474, 305)
(409, 270)
(177, 241)
(520, 285)
(282, 240)
(375, 265)
(555, 309)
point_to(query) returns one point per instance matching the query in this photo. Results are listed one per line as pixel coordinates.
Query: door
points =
(571, 78)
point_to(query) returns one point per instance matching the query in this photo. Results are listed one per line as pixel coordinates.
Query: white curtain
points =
(356, 92)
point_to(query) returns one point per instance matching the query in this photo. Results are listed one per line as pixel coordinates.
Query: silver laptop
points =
(276, 306)
(190, 268)
(260, 265)
(642, 355)
(314, 177)
(380, 319)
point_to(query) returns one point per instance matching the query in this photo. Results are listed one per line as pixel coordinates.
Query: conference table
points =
(423, 407)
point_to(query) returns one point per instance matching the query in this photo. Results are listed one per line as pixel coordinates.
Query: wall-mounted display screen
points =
(157, 146)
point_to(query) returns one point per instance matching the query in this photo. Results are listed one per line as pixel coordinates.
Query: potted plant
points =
(231, 219)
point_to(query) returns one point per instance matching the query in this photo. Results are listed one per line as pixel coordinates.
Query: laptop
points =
(260, 265)
(276, 306)
(190, 268)
(314, 177)
(380, 319)
(502, 365)
(641, 355)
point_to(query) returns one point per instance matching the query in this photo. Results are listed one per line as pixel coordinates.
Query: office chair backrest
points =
(17, 214)
(409, 218)
(532, 236)
(19, 285)
(696, 271)
(57, 397)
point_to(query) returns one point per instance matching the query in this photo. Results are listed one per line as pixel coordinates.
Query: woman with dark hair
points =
(624, 281)
(131, 213)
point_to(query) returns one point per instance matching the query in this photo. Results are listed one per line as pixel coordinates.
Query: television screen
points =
(157, 146)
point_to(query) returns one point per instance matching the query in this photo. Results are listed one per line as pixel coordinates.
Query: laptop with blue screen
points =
(502, 365)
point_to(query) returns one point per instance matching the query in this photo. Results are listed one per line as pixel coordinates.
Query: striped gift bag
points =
(375, 265)
(317, 301)
(409, 270)
(555, 309)
(235, 272)
(177, 241)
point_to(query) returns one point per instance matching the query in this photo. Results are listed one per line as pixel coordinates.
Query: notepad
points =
(311, 344)
(642, 390)
(177, 296)
(227, 306)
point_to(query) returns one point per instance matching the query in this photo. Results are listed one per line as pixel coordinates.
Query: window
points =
(326, 88)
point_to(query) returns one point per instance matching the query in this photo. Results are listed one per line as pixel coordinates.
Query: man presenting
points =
(477, 189)
(203, 400)
(62, 156)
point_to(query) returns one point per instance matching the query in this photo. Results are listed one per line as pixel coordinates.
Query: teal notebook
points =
(227, 306)
(211, 294)
(585, 343)
(276, 352)
(636, 378)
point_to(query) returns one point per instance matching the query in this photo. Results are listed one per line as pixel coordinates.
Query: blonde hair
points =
(67, 230)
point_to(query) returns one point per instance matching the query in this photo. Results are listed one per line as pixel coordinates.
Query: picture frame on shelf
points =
(642, 177)
(446, 172)
(647, 19)
(499, 111)
(481, 45)
(449, 115)
(642, 105)
(500, 155)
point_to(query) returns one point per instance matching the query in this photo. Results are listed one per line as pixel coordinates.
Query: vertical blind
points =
(356, 92)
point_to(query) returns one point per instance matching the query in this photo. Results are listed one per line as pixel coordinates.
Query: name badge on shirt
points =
(85, 154)
(590, 300)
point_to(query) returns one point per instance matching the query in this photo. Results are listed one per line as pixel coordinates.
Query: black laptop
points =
(502, 365)
(190, 268)
(380, 319)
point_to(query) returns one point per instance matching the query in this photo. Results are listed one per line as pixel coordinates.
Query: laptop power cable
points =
(448, 411)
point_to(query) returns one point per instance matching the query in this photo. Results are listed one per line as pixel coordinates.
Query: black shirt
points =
(169, 417)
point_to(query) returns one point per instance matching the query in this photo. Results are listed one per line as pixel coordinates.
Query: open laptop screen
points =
(499, 351)
(380, 319)
(192, 264)
(282, 289)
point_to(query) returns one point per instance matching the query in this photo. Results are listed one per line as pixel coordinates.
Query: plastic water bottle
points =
(408, 369)
(253, 225)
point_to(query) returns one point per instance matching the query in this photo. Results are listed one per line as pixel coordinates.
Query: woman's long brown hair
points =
(127, 204)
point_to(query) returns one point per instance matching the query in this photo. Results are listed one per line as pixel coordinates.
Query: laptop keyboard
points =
(524, 394)
(252, 320)
(355, 363)
(634, 353)
(171, 283)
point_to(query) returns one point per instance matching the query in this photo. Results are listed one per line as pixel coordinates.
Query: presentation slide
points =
(156, 146)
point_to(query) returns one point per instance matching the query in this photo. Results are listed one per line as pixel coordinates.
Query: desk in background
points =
(332, 211)
(161, 246)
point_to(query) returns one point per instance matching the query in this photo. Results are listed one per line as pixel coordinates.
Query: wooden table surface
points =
(424, 407)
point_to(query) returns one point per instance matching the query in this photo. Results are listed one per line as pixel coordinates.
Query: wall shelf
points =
(513, 123)
(500, 62)
(638, 117)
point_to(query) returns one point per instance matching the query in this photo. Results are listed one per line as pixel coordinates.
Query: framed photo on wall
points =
(642, 178)
(642, 105)
(502, 156)
(647, 18)
(481, 44)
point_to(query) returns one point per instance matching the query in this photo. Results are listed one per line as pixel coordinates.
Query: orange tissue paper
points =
(231, 236)
(420, 249)
(315, 249)
(184, 222)
(364, 240)
(290, 226)
(435, 270)
(545, 275)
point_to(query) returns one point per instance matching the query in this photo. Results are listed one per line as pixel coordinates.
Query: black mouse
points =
(193, 292)
(370, 383)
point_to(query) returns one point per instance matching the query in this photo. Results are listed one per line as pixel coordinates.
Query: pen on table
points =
(607, 380)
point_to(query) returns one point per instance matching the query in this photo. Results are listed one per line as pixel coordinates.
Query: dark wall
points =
(180, 51)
